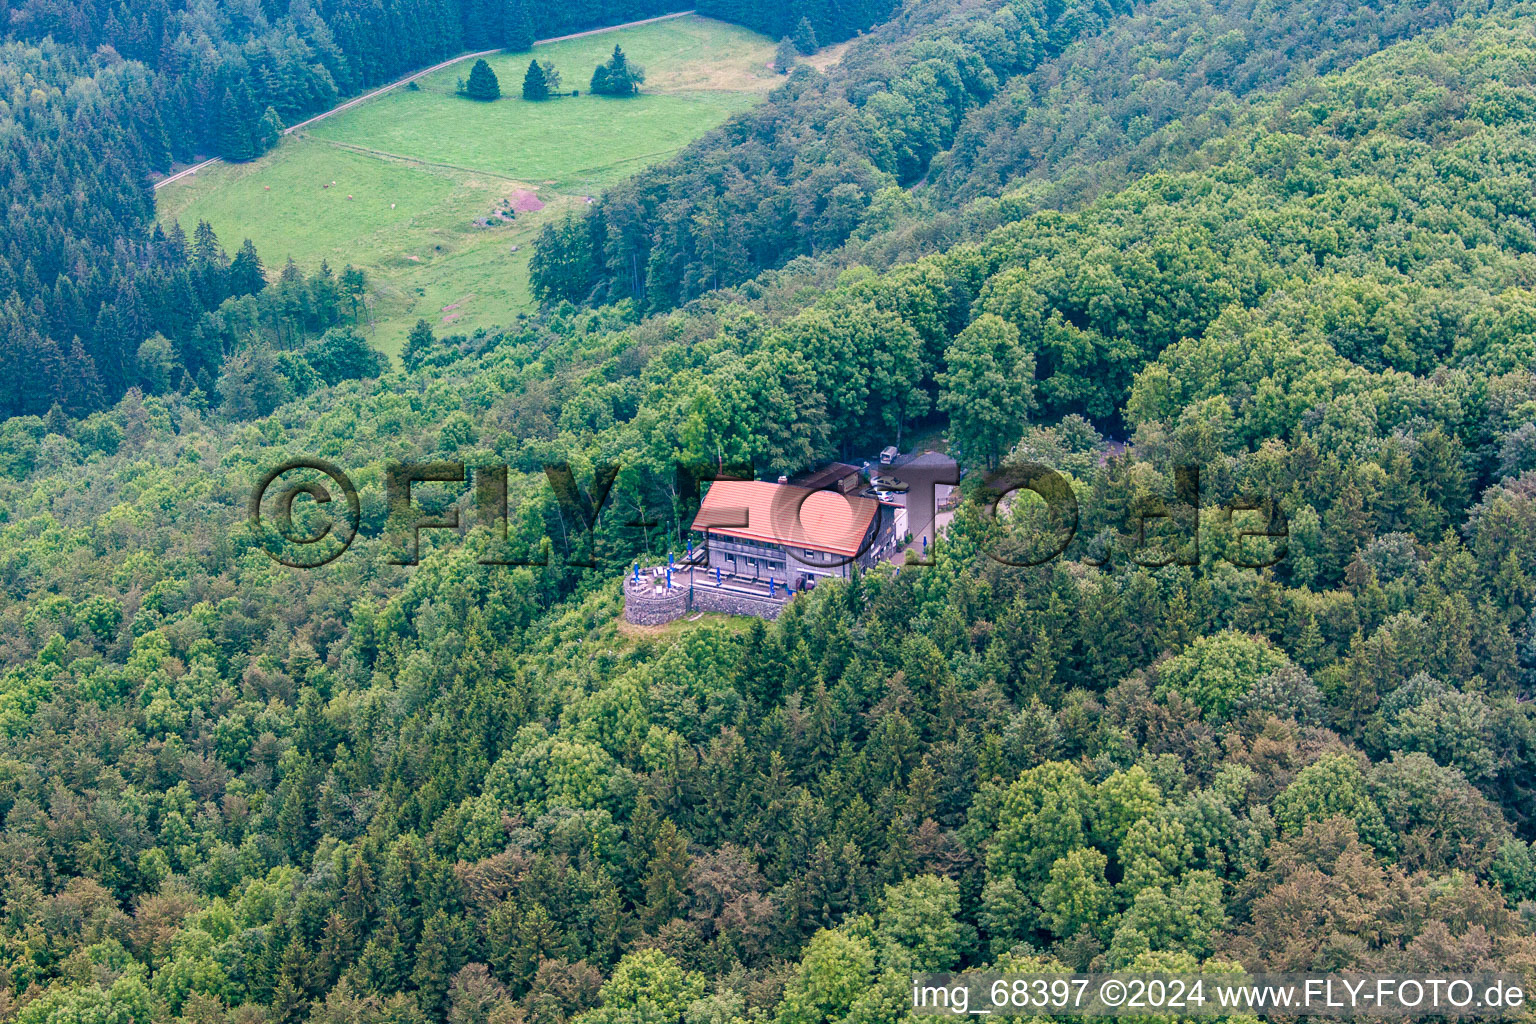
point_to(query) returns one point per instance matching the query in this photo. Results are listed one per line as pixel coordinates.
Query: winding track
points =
(365, 97)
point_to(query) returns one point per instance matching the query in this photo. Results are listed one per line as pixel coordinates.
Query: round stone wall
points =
(646, 604)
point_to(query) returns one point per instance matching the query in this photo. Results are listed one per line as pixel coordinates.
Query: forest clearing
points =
(420, 171)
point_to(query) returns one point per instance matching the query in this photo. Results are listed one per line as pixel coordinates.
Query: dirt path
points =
(426, 71)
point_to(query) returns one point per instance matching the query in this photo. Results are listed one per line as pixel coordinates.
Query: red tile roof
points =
(787, 515)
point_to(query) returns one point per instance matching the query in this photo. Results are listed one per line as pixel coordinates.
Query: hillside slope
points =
(368, 793)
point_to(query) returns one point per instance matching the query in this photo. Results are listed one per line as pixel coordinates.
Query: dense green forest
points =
(1293, 243)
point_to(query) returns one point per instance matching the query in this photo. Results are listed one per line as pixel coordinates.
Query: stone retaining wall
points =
(710, 599)
(645, 605)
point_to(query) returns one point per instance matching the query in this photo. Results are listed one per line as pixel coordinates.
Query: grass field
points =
(415, 169)
(574, 145)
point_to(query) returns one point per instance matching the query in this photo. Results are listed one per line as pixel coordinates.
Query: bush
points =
(342, 354)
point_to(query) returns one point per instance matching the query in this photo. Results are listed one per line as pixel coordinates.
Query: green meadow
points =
(418, 171)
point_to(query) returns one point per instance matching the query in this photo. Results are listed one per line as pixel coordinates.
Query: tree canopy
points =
(617, 76)
(1290, 249)
(482, 84)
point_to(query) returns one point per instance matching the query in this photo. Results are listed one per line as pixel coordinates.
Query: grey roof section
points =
(824, 477)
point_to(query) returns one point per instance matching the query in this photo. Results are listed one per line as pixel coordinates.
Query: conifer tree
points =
(482, 84)
(245, 271)
(804, 37)
(205, 246)
(535, 86)
(666, 879)
(269, 130)
(439, 955)
(784, 56)
(617, 77)
(56, 422)
(233, 137)
(416, 344)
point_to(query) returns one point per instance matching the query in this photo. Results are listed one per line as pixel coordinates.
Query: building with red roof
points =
(757, 530)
